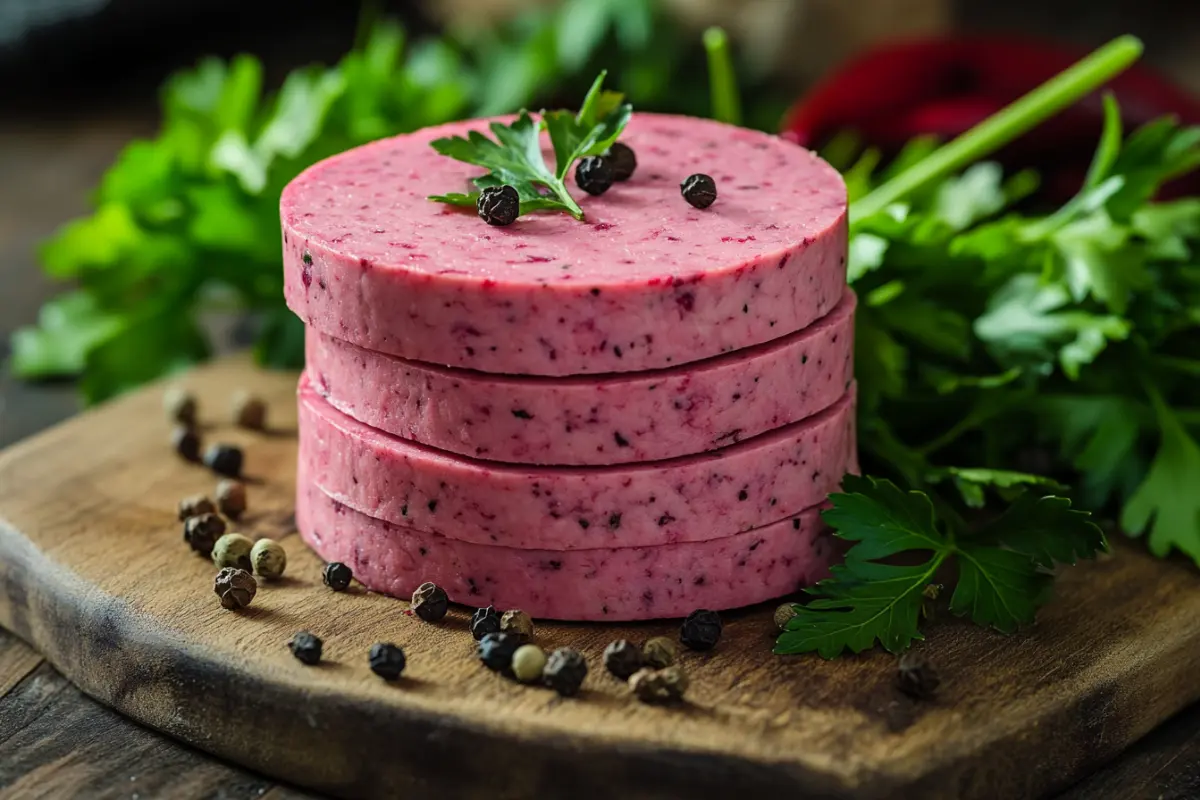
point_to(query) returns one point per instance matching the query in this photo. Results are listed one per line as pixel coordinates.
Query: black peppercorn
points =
(622, 658)
(594, 175)
(224, 459)
(429, 602)
(387, 660)
(186, 442)
(484, 621)
(565, 671)
(496, 651)
(700, 190)
(622, 160)
(201, 533)
(916, 677)
(337, 576)
(701, 630)
(499, 205)
(306, 648)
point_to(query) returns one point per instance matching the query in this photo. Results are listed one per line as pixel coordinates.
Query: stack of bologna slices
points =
(626, 417)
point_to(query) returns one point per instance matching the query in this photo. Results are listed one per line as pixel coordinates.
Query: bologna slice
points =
(708, 496)
(646, 281)
(616, 419)
(630, 583)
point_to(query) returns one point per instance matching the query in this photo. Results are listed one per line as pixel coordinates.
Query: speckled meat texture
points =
(708, 496)
(646, 282)
(617, 419)
(610, 584)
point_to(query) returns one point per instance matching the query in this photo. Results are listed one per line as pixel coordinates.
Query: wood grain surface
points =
(94, 575)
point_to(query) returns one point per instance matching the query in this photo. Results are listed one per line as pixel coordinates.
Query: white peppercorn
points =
(528, 662)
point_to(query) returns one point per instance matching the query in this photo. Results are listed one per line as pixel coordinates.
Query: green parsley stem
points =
(722, 79)
(1007, 124)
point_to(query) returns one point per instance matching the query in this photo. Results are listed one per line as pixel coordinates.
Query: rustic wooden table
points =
(55, 741)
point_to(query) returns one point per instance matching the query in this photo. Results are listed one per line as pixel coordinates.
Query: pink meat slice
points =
(629, 583)
(617, 419)
(645, 282)
(708, 496)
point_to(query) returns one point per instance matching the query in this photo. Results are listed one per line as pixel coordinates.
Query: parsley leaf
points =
(514, 158)
(1002, 577)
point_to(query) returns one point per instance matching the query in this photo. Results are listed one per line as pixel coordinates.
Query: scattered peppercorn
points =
(429, 602)
(659, 652)
(594, 175)
(231, 497)
(659, 685)
(180, 406)
(700, 190)
(306, 648)
(387, 660)
(233, 550)
(622, 160)
(337, 576)
(268, 558)
(194, 506)
(186, 442)
(701, 630)
(202, 532)
(518, 624)
(496, 651)
(484, 621)
(235, 587)
(249, 411)
(622, 658)
(564, 671)
(916, 677)
(528, 662)
(499, 205)
(784, 614)
(224, 459)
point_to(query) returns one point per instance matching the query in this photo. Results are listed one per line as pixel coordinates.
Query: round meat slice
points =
(629, 583)
(644, 282)
(613, 419)
(707, 496)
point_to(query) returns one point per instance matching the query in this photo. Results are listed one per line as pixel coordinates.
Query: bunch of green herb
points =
(1001, 354)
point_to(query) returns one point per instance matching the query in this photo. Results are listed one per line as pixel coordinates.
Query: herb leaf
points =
(1001, 577)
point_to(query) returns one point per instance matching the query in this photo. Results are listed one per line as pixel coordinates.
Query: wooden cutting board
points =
(94, 574)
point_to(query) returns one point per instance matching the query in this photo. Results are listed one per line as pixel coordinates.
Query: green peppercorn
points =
(235, 587)
(666, 685)
(701, 630)
(186, 442)
(224, 459)
(194, 506)
(784, 615)
(429, 602)
(306, 648)
(202, 532)
(387, 660)
(484, 621)
(233, 550)
(564, 671)
(528, 662)
(518, 624)
(249, 411)
(496, 651)
(659, 652)
(337, 576)
(180, 406)
(231, 498)
(268, 558)
(622, 658)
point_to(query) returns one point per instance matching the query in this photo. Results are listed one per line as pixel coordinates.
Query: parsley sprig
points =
(514, 157)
